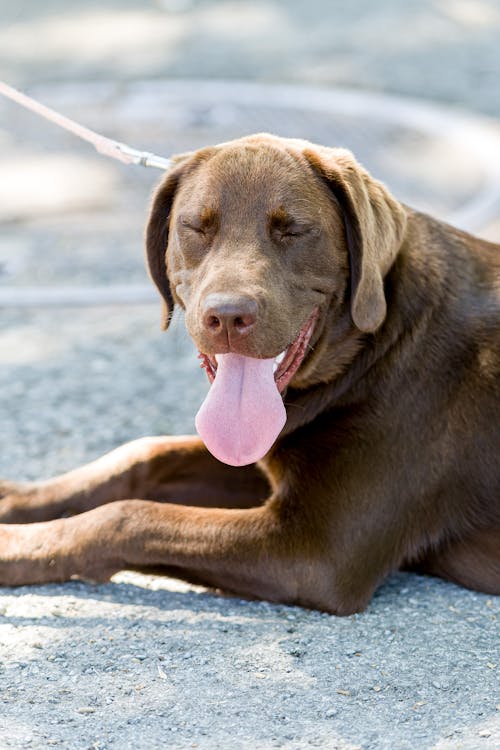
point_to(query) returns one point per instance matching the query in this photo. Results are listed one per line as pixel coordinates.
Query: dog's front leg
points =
(249, 552)
(168, 469)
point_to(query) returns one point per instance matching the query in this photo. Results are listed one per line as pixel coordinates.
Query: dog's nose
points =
(227, 316)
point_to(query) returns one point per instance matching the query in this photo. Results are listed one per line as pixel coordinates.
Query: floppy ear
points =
(158, 224)
(157, 239)
(374, 226)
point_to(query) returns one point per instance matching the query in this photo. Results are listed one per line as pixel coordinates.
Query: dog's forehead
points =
(261, 173)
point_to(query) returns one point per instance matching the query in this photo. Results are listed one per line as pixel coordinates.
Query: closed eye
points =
(292, 231)
(284, 226)
(204, 223)
(192, 227)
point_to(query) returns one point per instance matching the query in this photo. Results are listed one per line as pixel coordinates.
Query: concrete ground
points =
(145, 662)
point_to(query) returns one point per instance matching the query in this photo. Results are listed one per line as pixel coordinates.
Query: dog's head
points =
(264, 240)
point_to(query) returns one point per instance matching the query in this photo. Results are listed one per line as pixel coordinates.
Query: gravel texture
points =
(85, 381)
(146, 662)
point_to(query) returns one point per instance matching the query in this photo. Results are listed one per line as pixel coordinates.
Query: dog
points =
(351, 428)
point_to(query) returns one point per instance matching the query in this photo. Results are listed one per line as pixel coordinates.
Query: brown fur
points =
(389, 457)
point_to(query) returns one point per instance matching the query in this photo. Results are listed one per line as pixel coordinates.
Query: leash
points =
(103, 145)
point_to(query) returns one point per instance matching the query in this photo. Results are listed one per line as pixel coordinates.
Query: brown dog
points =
(384, 323)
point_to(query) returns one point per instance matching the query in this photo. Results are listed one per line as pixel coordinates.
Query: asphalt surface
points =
(146, 662)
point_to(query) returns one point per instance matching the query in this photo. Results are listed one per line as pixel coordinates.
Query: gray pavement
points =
(145, 662)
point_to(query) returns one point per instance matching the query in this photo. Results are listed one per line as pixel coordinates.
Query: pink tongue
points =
(243, 412)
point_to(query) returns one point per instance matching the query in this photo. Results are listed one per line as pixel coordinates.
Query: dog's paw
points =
(50, 552)
(15, 552)
(31, 553)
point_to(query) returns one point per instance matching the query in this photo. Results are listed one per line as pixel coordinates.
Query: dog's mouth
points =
(243, 412)
(286, 363)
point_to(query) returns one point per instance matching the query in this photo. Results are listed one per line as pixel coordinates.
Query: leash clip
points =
(143, 158)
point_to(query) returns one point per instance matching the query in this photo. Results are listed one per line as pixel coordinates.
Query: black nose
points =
(227, 317)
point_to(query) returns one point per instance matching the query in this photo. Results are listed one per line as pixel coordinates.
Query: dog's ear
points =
(374, 227)
(156, 243)
(159, 220)
(157, 234)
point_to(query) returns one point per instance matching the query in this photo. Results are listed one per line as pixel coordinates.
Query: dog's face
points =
(255, 254)
(262, 240)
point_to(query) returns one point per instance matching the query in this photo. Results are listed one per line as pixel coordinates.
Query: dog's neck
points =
(355, 363)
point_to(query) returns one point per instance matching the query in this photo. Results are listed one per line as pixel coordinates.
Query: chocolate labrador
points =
(351, 428)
